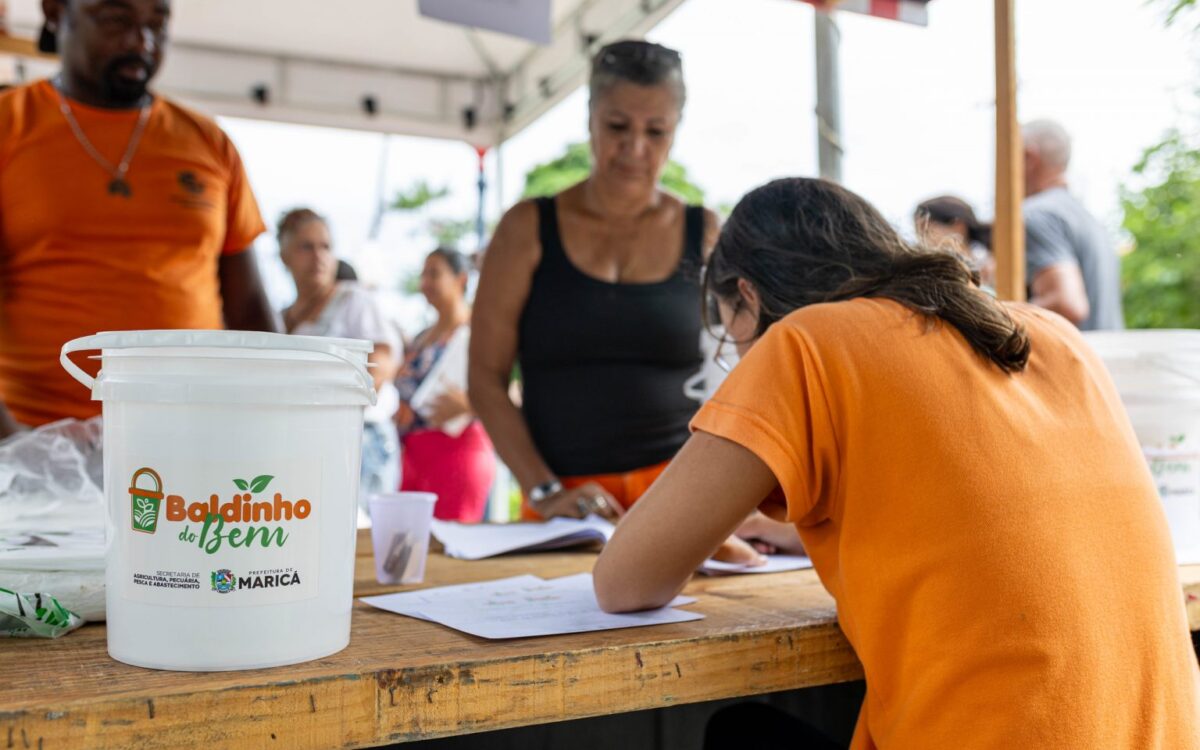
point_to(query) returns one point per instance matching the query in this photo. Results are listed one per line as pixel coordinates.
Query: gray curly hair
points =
(637, 62)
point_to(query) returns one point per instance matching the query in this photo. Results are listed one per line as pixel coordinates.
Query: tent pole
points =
(829, 116)
(481, 151)
(500, 205)
(1009, 230)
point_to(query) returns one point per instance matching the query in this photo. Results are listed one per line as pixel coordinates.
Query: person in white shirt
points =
(325, 306)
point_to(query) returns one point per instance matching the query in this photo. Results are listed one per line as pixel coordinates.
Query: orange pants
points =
(626, 487)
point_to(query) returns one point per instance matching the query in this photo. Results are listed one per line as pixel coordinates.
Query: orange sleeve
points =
(243, 221)
(10, 116)
(774, 405)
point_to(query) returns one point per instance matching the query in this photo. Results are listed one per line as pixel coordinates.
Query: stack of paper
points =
(523, 607)
(477, 541)
(775, 564)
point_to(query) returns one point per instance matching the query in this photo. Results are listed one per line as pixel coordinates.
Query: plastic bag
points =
(52, 516)
(51, 478)
(34, 616)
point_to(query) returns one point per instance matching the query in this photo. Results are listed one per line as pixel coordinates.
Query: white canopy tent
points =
(378, 65)
(367, 64)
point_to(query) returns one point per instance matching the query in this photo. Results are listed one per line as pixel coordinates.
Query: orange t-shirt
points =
(75, 260)
(996, 546)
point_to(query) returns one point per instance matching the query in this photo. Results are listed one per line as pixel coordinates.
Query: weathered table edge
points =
(402, 704)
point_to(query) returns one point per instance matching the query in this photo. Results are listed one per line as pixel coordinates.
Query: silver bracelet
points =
(544, 491)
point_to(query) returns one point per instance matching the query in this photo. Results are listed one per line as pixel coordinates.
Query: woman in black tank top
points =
(594, 294)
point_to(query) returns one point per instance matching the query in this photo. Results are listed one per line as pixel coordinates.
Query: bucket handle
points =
(255, 340)
(146, 472)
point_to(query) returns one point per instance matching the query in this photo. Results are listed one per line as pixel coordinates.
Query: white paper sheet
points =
(478, 541)
(410, 603)
(528, 19)
(449, 372)
(775, 564)
(523, 607)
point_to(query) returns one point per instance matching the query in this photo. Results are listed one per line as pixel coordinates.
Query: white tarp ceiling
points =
(319, 62)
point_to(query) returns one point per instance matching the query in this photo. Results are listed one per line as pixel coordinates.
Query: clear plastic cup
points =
(400, 524)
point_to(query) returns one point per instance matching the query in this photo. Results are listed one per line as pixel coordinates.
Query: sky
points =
(917, 108)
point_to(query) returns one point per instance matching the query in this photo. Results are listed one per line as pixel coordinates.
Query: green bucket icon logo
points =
(145, 503)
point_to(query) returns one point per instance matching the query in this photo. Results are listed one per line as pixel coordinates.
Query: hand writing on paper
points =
(452, 403)
(769, 536)
(739, 552)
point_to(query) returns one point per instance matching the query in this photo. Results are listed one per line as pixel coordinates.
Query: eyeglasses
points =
(712, 321)
(712, 316)
(712, 311)
(719, 354)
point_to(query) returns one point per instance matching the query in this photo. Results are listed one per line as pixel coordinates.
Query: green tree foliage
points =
(1161, 277)
(1178, 11)
(572, 167)
(1176, 7)
(418, 196)
(451, 232)
(448, 232)
(555, 176)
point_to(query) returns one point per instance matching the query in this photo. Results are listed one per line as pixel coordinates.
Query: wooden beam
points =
(1009, 230)
(14, 45)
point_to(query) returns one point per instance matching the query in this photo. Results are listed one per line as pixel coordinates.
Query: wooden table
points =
(402, 679)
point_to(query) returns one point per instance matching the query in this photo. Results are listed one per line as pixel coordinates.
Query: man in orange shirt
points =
(118, 208)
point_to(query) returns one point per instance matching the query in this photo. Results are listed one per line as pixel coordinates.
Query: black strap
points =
(548, 229)
(693, 242)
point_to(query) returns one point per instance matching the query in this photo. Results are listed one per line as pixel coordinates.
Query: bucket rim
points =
(351, 352)
(402, 496)
(192, 337)
(1143, 342)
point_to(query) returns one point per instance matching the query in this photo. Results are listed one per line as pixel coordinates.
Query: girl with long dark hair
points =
(961, 472)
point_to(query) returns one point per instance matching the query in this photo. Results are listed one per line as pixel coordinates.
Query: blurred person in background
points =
(950, 222)
(325, 306)
(458, 468)
(1071, 263)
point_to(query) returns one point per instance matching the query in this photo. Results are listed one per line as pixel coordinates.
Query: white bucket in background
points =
(1157, 373)
(701, 386)
(231, 469)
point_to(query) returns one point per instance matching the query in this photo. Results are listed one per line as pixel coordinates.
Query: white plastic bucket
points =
(1157, 374)
(231, 467)
(704, 384)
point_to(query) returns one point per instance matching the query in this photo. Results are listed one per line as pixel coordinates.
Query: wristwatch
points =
(544, 491)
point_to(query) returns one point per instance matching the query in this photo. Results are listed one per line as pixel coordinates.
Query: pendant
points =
(119, 187)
